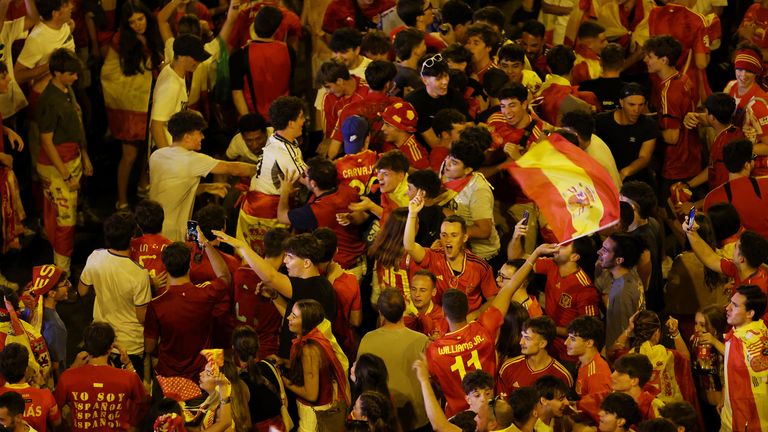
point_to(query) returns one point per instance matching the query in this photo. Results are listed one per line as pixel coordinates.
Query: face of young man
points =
(531, 343)
(745, 78)
(653, 62)
(335, 88)
(575, 345)
(479, 397)
(736, 313)
(605, 256)
(563, 254)
(436, 85)
(350, 58)
(608, 422)
(455, 169)
(632, 107)
(64, 13)
(389, 180)
(621, 382)
(295, 265)
(296, 126)
(453, 239)
(513, 69)
(514, 111)
(480, 51)
(532, 45)
(255, 140)
(555, 407)
(422, 291)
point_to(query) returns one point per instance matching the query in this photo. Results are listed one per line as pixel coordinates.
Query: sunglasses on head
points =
(430, 62)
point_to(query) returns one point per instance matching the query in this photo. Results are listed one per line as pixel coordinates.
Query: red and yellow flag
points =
(574, 192)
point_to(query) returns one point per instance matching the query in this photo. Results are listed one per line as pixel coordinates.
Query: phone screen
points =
(192, 231)
(691, 215)
(525, 217)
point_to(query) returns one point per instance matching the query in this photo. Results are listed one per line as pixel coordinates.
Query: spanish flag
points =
(574, 192)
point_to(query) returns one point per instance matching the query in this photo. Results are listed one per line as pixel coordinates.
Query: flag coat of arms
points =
(573, 191)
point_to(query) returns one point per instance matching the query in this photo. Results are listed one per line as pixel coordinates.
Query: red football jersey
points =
(147, 249)
(357, 170)
(398, 277)
(594, 377)
(516, 373)
(476, 280)
(472, 347)
(347, 290)
(417, 155)
(290, 26)
(256, 311)
(717, 172)
(432, 323)
(370, 107)
(101, 398)
(39, 405)
(332, 105)
(752, 116)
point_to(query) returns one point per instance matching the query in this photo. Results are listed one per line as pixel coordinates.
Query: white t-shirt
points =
(238, 150)
(175, 173)
(121, 285)
(170, 97)
(205, 74)
(475, 202)
(600, 152)
(40, 43)
(279, 157)
(14, 100)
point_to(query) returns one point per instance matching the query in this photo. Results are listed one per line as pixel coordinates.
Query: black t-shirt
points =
(265, 399)
(312, 288)
(650, 233)
(625, 141)
(430, 219)
(426, 106)
(607, 91)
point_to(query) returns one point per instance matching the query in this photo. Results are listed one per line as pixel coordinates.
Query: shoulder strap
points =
(527, 133)
(246, 51)
(728, 192)
(756, 187)
(283, 397)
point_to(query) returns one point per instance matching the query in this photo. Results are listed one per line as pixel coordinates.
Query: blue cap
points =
(354, 130)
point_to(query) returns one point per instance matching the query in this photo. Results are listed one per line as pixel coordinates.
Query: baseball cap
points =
(354, 130)
(402, 116)
(190, 45)
(632, 89)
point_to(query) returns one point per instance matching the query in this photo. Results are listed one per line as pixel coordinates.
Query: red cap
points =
(401, 115)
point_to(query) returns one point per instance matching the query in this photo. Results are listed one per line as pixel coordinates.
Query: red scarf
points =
(325, 346)
(458, 185)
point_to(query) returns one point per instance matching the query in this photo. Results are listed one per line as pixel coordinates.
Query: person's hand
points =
(421, 369)
(15, 140)
(513, 151)
(6, 159)
(692, 120)
(417, 203)
(87, 166)
(672, 326)
(521, 229)
(546, 249)
(124, 359)
(200, 237)
(690, 226)
(81, 359)
(159, 280)
(343, 219)
(707, 338)
(217, 189)
(232, 241)
(682, 209)
(291, 177)
(631, 325)
(363, 205)
(73, 183)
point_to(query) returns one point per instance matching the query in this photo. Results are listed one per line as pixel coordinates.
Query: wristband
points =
(675, 336)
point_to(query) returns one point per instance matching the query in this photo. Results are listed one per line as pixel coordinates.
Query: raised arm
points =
(286, 187)
(409, 236)
(435, 413)
(703, 251)
(503, 298)
(162, 19)
(240, 169)
(218, 264)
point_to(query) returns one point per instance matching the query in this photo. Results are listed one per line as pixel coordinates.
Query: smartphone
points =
(192, 232)
(525, 217)
(691, 215)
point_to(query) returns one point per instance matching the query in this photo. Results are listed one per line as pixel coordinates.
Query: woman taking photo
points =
(315, 374)
(132, 61)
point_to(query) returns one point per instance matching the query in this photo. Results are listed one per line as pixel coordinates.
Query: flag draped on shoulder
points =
(574, 192)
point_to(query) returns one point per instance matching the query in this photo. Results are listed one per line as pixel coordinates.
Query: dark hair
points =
(274, 242)
(612, 56)
(98, 338)
(581, 122)
(523, 401)
(512, 52)
(426, 180)
(312, 314)
(457, 219)
(458, 80)
(14, 361)
(589, 29)
(393, 160)
(736, 154)
(63, 60)
(370, 375)
(681, 414)
(379, 411)
(485, 33)
(328, 241)
(568, 135)
(13, 402)
(468, 153)
(623, 406)
(118, 231)
(304, 246)
(543, 326)
(323, 172)
(184, 122)
(585, 248)
(438, 68)
(514, 91)
(190, 24)
(245, 344)
(756, 300)
(375, 42)
(551, 387)
(330, 72)
(664, 46)
(560, 59)
(636, 366)
(715, 315)
(725, 220)
(478, 135)
(508, 342)
(444, 120)
(721, 106)
(754, 248)
(494, 80)
(283, 110)
(251, 122)
(409, 11)
(490, 14)
(457, 53)
(132, 52)
(588, 328)
(464, 420)
(428, 274)
(176, 259)
(456, 12)
(534, 28)
(46, 8)
(211, 217)
(656, 425)
(646, 324)
(628, 247)
(406, 41)
(345, 39)
(455, 305)
(641, 193)
(378, 73)
(149, 216)
(391, 305)
(477, 380)
(387, 248)
(267, 21)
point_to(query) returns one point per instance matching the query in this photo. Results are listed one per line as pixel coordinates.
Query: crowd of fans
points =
(315, 229)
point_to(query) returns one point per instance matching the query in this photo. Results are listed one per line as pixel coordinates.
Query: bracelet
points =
(226, 401)
(675, 336)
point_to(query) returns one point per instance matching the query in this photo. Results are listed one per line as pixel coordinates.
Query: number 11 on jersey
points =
(458, 364)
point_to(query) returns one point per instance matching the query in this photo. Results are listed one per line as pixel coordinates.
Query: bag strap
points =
(283, 396)
(248, 76)
(728, 192)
